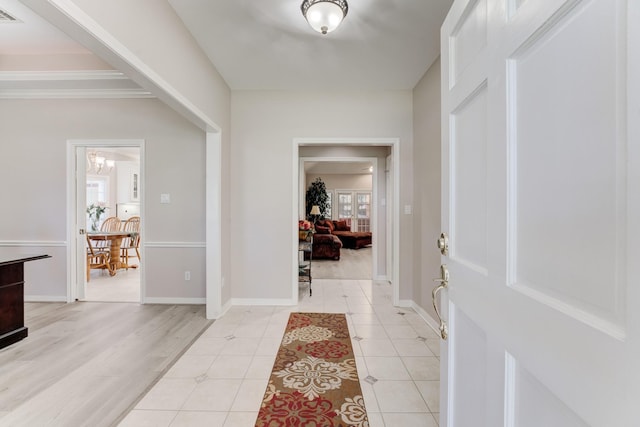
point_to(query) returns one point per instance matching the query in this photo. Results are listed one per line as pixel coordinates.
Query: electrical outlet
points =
(187, 275)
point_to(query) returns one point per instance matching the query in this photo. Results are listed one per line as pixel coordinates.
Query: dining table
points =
(115, 243)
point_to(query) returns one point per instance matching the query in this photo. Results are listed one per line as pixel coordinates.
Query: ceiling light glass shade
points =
(96, 163)
(324, 16)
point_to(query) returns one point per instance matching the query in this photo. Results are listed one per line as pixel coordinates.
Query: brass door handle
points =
(444, 283)
(443, 244)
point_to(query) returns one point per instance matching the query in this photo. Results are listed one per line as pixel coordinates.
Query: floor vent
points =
(5, 17)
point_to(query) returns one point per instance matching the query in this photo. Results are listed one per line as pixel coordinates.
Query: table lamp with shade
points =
(315, 213)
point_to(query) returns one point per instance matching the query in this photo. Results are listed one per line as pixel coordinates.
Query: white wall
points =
(155, 58)
(264, 124)
(33, 161)
(426, 150)
(343, 181)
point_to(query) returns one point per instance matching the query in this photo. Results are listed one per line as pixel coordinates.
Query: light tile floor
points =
(221, 379)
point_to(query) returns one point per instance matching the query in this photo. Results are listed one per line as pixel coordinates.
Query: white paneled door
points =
(541, 204)
(80, 222)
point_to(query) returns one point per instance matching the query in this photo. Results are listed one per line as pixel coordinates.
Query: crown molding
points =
(24, 85)
(75, 94)
(23, 76)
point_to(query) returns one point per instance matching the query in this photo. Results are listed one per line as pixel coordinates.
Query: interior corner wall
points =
(426, 133)
(264, 125)
(34, 210)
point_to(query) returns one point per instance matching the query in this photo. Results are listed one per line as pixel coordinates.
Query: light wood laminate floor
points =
(87, 364)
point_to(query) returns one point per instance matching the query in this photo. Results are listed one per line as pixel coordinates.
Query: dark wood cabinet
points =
(12, 328)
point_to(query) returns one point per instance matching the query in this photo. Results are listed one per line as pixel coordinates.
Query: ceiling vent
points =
(5, 17)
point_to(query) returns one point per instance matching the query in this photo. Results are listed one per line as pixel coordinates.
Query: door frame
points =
(73, 269)
(298, 196)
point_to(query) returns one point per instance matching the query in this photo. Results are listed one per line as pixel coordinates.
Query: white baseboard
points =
(260, 301)
(433, 324)
(185, 301)
(45, 298)
(225, 308)
(221, 313)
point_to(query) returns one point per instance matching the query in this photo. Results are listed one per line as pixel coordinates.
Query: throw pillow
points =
(322, 230)
(326, 223)
(342, 226)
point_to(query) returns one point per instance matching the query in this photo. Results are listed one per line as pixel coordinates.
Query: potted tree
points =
(317, 196)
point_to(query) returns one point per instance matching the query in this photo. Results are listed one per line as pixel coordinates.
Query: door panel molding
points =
(556, 300)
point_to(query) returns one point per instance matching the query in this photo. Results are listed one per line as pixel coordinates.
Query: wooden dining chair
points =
(132, 225)
(111, 224)
(97, 260)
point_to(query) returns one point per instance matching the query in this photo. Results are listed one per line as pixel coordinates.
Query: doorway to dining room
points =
(107, 221)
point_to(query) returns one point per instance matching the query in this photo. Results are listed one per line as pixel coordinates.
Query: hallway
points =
(221, 379)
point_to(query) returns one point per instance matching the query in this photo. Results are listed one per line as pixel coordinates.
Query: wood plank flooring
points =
(353, 264)
(88, 363)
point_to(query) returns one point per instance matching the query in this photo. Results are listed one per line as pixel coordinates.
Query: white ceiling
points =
(31, 34)
(267, 44)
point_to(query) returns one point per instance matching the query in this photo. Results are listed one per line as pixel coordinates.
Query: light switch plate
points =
(407, 209)
(165, 198)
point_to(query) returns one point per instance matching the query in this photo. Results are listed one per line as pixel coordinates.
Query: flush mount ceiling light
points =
(324, 16)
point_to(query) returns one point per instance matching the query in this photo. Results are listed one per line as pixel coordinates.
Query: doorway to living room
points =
(356, 208)
(342, 245)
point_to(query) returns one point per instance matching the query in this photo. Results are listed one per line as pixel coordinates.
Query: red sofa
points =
(350, 239)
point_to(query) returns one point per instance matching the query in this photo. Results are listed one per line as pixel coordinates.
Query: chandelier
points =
(324, 16)
(96, 163)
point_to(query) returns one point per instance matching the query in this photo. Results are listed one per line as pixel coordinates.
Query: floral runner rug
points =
(314, 382)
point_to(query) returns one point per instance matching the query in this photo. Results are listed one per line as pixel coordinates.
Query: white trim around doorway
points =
(214, 278)
(72, 228)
